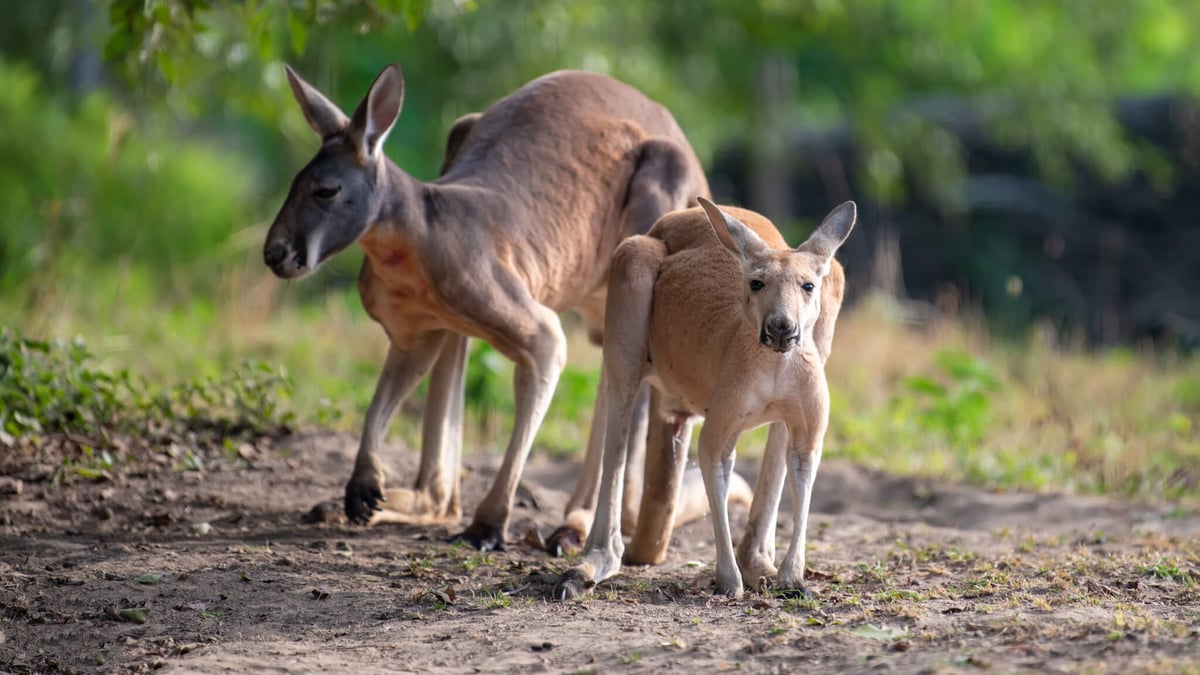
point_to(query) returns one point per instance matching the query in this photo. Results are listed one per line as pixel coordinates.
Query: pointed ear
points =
(739, 239)
(832, 232)
(323, 116)
(374, 117)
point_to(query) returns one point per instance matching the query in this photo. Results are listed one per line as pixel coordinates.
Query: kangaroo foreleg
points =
(434, 498)
(402, 370)
(804, 457)
(539, 362)
(756, 552)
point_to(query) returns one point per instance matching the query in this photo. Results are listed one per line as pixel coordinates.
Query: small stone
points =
(11, 487)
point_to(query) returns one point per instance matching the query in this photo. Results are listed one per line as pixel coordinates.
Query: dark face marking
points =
(328, 208)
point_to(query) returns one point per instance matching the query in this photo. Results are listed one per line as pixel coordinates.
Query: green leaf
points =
(134, 614)
(149, 579)
(89, 473)
(166, 65)
(298, 32)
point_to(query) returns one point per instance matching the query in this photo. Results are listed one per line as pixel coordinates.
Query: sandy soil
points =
(158, 567)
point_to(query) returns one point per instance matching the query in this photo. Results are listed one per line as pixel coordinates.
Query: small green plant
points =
(51, 388)
(960, 407)
(496, 600)
(53, 392)
(1168, 568)
(477, 560)
(55, 387)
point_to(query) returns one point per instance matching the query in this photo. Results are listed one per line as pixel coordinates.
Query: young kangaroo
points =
(726, 322)
(534, 197)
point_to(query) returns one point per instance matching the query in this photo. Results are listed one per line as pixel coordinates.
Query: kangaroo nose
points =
(783, 329)
(274, 253)
(779, 333)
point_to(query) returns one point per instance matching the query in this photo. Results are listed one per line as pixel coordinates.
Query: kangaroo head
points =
(782, 287)
(337, 196)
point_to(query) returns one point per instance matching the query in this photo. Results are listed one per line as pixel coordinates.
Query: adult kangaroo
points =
(729, 323)
(535, 195)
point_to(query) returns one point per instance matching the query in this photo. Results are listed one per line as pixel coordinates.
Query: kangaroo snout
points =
(274, 253)
(284, 259)
(779, 333)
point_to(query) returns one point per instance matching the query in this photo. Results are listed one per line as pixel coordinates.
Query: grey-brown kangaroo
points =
(535, 195)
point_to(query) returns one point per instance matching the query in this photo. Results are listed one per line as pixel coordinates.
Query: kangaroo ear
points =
(739, 239)
(832, 232)
(374, 117)
(323, 116)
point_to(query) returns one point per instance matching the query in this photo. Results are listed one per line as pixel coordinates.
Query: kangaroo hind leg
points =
(626, 328)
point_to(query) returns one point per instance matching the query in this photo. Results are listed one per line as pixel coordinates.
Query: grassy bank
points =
(940, 399)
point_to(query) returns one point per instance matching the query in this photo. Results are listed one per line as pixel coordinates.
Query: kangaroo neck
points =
(401, 207)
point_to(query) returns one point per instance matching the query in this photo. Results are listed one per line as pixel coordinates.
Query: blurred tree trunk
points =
(768, 169)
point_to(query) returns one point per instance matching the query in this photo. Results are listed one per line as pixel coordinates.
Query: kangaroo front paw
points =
(790, 586)
(482, 536)
(731, 592)
(728, 585)
(575, 583)
(799, 592)
(564, 541)
(364, 497)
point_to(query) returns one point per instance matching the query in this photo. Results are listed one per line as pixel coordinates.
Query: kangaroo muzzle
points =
(285, 259)
(779, 333)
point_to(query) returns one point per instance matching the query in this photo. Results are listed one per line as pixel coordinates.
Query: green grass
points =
(944, 401)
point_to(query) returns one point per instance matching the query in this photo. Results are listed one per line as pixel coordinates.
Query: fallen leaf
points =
(134, 614)
(149, 579)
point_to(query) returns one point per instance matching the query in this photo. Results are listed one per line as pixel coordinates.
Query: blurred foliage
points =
(89, 183)
(751, 69)
(195, 107)
(959, 406)
(58, 388)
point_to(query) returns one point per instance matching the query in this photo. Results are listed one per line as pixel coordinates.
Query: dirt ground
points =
(213, 571)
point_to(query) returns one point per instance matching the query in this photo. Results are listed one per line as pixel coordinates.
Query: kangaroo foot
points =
(482, 536)
(413, 507)
(757, 568)
(364, 496)
(799, 593)
(575, 583)
(728, 584)
(564, 541)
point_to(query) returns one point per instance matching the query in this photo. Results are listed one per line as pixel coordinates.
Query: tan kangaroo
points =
(535, 195)
(728, 323)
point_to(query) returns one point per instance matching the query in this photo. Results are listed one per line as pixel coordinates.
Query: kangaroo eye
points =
(755, 285)
(807, 286)
(327, 192)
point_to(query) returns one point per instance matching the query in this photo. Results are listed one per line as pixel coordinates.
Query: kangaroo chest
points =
(397, 294)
